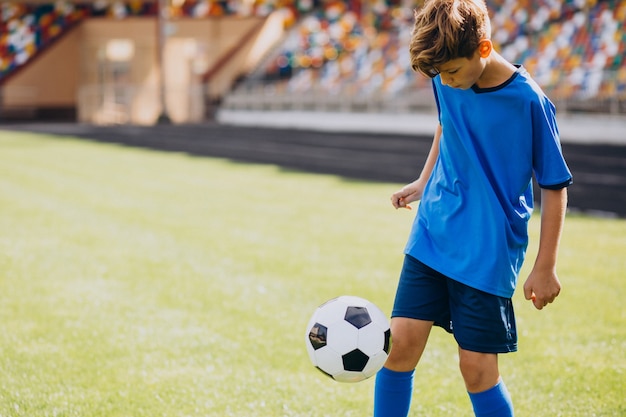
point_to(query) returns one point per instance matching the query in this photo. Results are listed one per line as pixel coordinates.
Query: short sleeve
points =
(550, 168)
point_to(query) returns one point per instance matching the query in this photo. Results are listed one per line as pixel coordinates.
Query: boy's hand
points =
(409, 193)
(542, 287)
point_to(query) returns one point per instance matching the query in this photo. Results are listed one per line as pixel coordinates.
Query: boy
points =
(469, 237)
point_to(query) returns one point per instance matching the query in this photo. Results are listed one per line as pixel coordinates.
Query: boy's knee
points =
(408, 339)
(479, 370)
(403, 356)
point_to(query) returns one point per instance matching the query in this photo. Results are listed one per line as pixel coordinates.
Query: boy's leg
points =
(394, 383)
(409, 337)
(421, 301)
(484, 326)
(489, 395)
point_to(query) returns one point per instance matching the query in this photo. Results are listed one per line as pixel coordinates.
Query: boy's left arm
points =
(542, 285)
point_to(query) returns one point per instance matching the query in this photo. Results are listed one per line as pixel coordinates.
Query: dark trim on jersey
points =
(560, 186)
(479, 90)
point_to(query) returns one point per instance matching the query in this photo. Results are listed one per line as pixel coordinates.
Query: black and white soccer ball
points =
(348, 338)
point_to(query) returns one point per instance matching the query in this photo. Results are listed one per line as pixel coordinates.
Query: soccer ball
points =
(348, 338)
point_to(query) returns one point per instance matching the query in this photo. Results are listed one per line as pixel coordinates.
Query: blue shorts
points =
(479, 321)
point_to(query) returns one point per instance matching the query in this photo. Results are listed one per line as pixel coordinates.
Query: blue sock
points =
(495, 402)
(392, 393)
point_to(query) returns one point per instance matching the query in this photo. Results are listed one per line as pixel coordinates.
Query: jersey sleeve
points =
(550, 168)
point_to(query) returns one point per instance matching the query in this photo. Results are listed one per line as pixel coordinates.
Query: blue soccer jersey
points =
(471, 224)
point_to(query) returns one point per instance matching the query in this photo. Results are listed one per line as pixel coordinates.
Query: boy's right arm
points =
(413, 191)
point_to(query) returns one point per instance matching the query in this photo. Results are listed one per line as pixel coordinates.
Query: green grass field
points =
(137, 283)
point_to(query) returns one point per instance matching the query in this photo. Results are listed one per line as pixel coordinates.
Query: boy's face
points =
(462, 73)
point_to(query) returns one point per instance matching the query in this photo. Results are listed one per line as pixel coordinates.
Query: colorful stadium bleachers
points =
(574, 48)
(571, 48)
(26, 29)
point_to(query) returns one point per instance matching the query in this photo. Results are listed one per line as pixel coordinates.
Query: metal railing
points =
(279, 95)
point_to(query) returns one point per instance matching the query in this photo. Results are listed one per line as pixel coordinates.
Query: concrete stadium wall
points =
(107, 70)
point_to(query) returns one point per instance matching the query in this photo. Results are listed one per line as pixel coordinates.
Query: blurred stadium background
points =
(341, 65)
(135, 61)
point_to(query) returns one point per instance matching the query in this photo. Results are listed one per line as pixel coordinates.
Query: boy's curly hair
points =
(445, 30)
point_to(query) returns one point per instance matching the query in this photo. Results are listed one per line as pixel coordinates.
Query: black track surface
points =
(599, 170)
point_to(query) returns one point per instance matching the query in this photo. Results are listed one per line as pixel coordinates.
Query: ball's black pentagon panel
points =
(387, 346)
(355, 361)
(358, 316)
(318, 336)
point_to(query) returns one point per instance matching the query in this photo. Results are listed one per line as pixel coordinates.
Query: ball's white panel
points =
(328, 360)
(375, 363)
(347, 376)
(377, 315)
(342, 337)
(371, 339)
(353, 300)
(331, 312)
